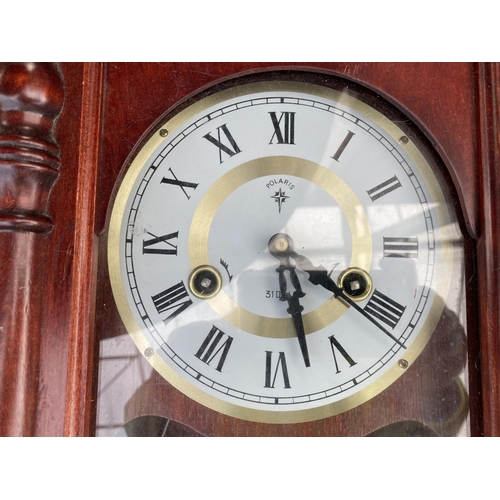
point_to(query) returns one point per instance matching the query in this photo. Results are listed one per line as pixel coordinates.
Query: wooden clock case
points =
(67, 129)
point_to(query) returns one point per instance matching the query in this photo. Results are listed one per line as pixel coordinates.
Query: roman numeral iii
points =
(400, 248)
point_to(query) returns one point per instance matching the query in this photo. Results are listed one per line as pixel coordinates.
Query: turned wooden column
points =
(31, 98)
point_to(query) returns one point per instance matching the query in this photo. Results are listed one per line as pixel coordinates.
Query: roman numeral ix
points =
(168, 249)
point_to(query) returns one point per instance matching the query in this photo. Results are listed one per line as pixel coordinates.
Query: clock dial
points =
(281, 252)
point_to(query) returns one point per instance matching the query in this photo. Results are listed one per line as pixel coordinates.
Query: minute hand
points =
(318, 275)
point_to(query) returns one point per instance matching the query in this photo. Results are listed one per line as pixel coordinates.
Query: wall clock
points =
(254, 249)
(282, 251)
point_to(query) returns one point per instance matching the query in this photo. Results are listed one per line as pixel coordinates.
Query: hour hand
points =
(280, 249)
(295, 310)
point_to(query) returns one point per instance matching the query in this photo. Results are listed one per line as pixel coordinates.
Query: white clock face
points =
(339, 182)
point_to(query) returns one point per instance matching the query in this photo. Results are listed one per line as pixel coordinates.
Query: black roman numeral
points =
(400, 248)
(170, 249)
(284, 128)
(336, 345)
(344, 144)
(384, 309)
(284, 370)
(231, 149)
(172, 299)
(211, 348)
(382, 189)
(176, 182)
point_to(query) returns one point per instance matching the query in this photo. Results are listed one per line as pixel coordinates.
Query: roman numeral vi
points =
(281, 363)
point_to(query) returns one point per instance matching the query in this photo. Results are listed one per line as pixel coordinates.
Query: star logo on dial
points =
(280, 198)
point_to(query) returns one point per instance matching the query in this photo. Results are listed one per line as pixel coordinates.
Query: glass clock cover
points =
(282, 252)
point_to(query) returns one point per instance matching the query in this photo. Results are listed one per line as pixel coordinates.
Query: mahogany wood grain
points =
(488, 261)
(81, 348)
(65, 406)
(20, 314)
